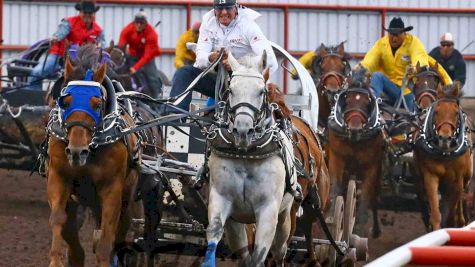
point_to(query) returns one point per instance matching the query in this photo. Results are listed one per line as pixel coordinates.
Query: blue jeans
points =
(51, 66)
(182, 79)
(380, 83)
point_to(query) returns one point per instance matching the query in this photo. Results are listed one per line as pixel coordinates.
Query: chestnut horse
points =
(443, 155)
(102, 176)
(356, 145)
(313, 179)
(426, 81)
(330, 69)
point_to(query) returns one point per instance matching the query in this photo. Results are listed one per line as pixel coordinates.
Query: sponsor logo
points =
(406, 58)
(237, 40)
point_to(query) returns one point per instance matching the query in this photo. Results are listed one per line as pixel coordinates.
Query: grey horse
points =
(246, 191)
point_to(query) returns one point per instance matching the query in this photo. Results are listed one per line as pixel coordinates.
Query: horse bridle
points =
(91, 128)
(341, 77)
(451, 124)
(427, 91)
(259, 113)
(430, 129)
(357, 112)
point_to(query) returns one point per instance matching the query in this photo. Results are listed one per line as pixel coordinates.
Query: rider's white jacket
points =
(242, 37)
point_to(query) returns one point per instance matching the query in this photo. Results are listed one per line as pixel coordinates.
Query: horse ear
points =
(265, 74)
(263, 63)
(341, 49)
(68, 68)
(111, 47)
(418, 67)
(440, 92)
(436, 66)
(100, 73)
(456, 87)
(232, 61)
(322, 51)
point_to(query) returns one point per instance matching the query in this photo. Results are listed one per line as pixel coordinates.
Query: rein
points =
(179, 98)
(337, 121)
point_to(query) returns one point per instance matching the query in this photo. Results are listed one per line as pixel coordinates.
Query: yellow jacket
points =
(306, 60)
(182, 54)
(446, 80)
(380, 57)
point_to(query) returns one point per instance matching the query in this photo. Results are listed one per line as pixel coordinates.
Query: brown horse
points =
(443, 155)
(119, 70)
(102, 177)
(426, 81)
(330, 69)
(314, 180)
(356, 145)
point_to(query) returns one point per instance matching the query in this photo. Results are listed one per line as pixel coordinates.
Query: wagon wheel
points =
(350, 211)
(326, 253)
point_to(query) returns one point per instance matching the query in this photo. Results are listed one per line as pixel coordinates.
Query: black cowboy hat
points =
(87, 7)
(396, 26)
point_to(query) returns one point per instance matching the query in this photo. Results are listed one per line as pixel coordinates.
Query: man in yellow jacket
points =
(184, 56)
(389, 58)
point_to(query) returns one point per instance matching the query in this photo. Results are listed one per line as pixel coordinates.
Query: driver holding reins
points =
(227, 26)
(79, 30)
(233, 28)
(389, 59)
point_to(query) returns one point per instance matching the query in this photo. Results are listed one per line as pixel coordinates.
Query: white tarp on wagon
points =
(308, 90)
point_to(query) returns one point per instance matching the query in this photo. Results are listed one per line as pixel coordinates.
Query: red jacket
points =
(142, 45)
(79, 35)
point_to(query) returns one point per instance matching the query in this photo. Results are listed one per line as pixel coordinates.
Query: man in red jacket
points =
(80, 29)
(142, 41)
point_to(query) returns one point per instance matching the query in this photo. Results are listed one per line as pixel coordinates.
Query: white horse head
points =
(247, 96)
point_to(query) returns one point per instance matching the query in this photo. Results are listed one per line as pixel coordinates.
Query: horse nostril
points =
(84, 153)
(251, 131)
(68, 151)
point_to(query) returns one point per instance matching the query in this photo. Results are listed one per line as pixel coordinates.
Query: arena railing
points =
(450, 246)
(285, 7)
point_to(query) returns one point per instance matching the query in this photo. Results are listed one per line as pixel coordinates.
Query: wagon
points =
(184, 219)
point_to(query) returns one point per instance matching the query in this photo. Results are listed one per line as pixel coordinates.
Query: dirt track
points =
(26, 237)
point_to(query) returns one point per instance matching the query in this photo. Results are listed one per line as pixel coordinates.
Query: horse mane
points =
(275, 95)
(359, 78)
(88, 57)
(448, 89)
